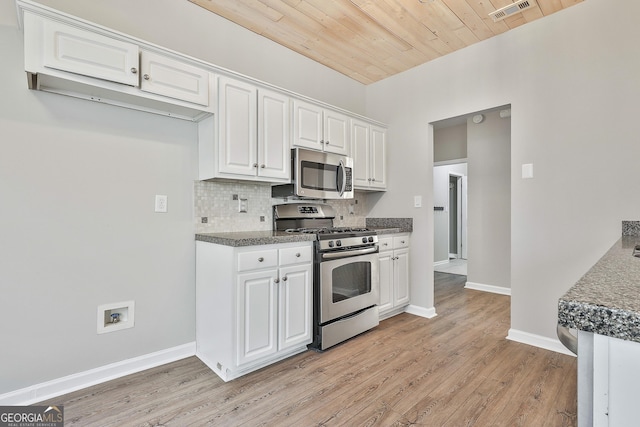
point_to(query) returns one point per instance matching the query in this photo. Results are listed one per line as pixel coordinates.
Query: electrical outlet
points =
(161, 203)
(242, 205)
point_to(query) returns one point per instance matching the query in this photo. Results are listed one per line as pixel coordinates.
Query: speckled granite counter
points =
(252, 238)
(403, 225)
(606, 300)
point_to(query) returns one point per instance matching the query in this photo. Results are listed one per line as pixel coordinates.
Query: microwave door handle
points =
(344, 178)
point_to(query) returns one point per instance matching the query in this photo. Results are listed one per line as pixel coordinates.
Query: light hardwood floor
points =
(456, 369)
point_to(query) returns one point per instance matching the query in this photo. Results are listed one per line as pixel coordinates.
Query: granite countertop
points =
(606, 300)
(252, 238)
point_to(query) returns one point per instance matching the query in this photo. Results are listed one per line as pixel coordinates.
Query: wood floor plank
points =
(455, 369)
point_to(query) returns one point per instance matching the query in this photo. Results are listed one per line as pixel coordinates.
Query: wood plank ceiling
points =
(369, 40)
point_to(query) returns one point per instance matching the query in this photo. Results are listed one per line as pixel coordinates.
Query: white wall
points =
(489, 201)
(573, 93)
(77, 187)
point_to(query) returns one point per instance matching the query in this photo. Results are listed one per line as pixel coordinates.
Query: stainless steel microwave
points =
(318, 175)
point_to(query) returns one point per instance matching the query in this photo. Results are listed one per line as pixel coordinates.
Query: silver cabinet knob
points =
(326, 142)
(402, 241)
(373, 179)
(298, 255)
(134, 70)
(284, 279)
(263, 166)
(146, 77)
(255, 165)
(276, 280)
(385, 244)
(260, 259)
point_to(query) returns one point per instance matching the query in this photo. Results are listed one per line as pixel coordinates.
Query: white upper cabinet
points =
(237, 121)
(319, 128)
(168, 77)
(75, 58)
(78, 51)
(368, 149)
(274, 155)
(252, 141)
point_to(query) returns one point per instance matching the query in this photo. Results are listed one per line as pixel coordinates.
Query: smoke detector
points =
(511, 9)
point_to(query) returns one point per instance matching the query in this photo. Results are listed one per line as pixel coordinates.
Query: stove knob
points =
(338, 243)
(331, 243)
(370, 239)
(364, 240)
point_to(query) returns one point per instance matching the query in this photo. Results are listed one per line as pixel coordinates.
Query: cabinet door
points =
(307, 125)
(360, 153)
(295, 307)
(378, 157)
(71, 49)
(168, 77)
(385, 270)
(237, 121)
(256, 315)
(337, 132)
(274, 154)
(401, 277)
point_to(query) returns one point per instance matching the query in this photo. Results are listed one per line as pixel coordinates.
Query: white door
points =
(307, 125)
(385, 269)
(257, 316)
(360, 153)
(274, 154)
(337, 132)
(401, 276)
(378, 157)
(237, 123)
(168, 77)
(295, 307)
(72, 49)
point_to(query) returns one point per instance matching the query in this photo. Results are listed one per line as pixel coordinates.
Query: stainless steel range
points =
(345, 274)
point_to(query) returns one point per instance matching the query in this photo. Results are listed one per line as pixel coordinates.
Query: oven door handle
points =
(336, 255)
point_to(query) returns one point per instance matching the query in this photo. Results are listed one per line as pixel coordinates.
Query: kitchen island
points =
(604, 308)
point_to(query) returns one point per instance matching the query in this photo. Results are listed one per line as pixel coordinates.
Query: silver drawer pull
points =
(298, 255)
(260, 259)
(134, 70)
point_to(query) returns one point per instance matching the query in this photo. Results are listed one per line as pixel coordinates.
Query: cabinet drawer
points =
(400, 242)
(295, 255)
(257, 259)
(385, 243)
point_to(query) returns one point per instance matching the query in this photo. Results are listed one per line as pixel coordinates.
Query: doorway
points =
(482, 140)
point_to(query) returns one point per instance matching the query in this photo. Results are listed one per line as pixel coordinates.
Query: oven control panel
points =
(347, 242)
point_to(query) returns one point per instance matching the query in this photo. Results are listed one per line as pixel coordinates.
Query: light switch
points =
(417, 201)
(527, 171)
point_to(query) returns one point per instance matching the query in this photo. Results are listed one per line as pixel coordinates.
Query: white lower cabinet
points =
(394, 274)
(253, 305)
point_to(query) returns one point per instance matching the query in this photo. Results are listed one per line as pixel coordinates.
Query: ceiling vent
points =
(511, 9)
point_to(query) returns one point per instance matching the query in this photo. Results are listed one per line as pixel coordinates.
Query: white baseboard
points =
(488, 288)
(538, 341)
(50, 389)
(446, 261)
(421, 311)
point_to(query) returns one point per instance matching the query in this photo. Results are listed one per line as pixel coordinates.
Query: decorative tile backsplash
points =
(214, 201)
